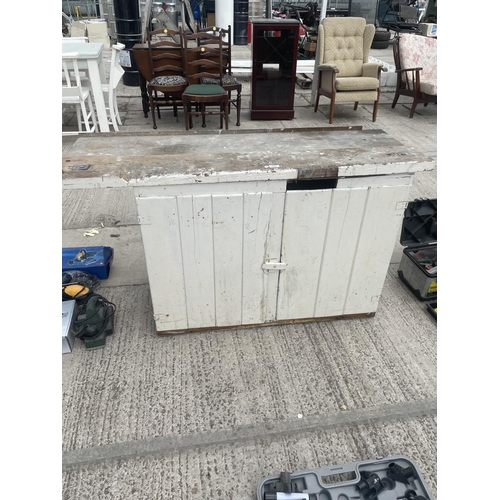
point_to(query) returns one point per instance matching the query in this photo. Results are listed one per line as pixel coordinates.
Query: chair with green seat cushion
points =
(202, 62)
(229, 82)
(344, 73)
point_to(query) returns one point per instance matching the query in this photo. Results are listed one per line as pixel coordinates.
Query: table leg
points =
(100, 104)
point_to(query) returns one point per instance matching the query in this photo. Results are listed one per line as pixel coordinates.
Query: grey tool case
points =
(392, 478)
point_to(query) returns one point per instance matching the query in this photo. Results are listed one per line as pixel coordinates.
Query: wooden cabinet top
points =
(132, 158)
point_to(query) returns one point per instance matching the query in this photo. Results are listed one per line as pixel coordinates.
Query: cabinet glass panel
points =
(274, 68)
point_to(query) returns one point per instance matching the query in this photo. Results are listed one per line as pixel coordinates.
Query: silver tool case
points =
(392, 478)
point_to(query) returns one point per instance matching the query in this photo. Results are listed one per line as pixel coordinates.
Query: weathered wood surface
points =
(314, 153)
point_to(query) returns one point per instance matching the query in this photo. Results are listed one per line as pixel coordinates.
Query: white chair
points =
(73, 93)
(115, 75)
(109, 89)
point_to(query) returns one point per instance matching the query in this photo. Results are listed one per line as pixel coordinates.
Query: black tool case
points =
(391, 478)
(418, 267)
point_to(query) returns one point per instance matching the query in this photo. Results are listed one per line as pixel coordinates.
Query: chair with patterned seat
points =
(167, 68)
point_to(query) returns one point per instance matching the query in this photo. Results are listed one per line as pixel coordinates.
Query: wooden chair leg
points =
(226, 114)
(116, 111)
(356, 105)
(413, 106)
(152, 108)
(332, 107)
(375, 106)
(186, 116)
(317, 100)
(157, 107)
(238, 108)
(396, 97)
(79, 118)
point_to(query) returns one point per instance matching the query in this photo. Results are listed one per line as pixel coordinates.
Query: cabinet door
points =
(205, 253)
(337, 244)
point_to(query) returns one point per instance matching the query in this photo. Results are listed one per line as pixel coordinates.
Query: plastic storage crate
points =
(418, 267)
(93, 260)
(391, 478)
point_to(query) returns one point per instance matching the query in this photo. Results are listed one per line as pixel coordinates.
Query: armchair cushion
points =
(357, 83)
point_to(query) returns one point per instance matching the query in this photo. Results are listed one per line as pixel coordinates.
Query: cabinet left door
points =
(204, 255)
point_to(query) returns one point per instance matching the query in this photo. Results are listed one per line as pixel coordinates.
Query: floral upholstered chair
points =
(415, 58)
(344, 73)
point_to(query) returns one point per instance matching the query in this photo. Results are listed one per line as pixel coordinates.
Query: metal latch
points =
(273, 266)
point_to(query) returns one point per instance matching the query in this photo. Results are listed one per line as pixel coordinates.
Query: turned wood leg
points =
(144, 95)
(151, 104)
(356, 105)
(238, 108)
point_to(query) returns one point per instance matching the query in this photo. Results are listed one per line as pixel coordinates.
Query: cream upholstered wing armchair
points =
(344, 73)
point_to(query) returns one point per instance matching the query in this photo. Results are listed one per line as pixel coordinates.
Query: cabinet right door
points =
(337, 244)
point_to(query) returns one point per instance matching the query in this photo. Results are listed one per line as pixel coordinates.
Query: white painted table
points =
(258, 228)
(90, 56)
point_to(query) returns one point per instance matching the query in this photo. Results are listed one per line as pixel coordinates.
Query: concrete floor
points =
(208, 415)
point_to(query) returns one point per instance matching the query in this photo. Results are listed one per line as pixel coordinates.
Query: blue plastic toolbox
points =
(391, 478)
(93, 260)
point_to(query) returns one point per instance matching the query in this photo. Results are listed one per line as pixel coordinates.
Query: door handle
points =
(274, 266)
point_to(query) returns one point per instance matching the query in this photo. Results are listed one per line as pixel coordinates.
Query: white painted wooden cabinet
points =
(252, 252)
(251, 229)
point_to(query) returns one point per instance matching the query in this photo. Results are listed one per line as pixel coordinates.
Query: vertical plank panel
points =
(195, 217)
(380, 228)
(228, 257)
(262, 227)
(161, 238)
(346, 215)
(304, 230)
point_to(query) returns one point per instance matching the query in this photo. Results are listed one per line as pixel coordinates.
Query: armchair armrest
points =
(411, 77)
(373, 70)
(408, 69)
(328, 67)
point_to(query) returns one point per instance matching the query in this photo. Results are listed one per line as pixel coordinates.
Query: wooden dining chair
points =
(74, 94)
(204, 61)
(229, 82)
(165, 48)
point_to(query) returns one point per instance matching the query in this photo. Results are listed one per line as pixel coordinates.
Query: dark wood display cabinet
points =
(274, 64)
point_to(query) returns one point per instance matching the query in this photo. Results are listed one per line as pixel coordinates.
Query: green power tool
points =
(94, 321)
